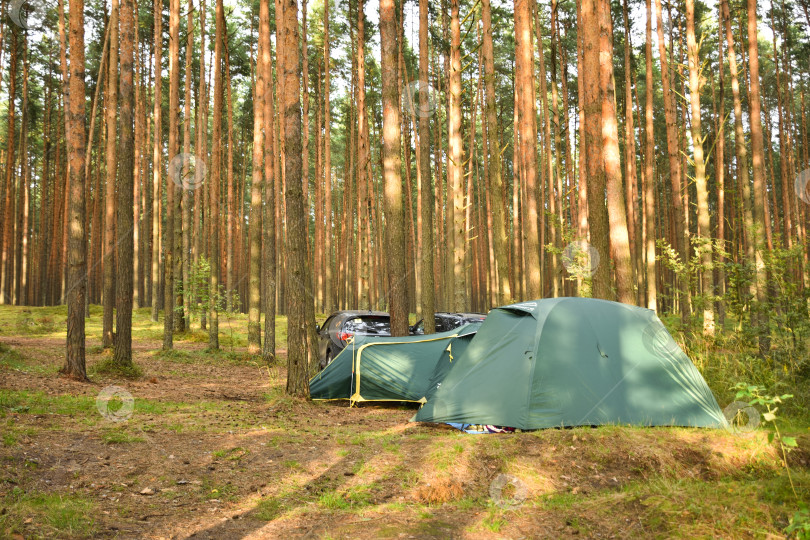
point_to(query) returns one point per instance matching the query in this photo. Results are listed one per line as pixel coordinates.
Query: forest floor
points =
(214, 449)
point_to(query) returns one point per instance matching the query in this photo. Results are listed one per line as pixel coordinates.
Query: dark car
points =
(450, 321)
(340, 326)
(446, 321)
(336, 331)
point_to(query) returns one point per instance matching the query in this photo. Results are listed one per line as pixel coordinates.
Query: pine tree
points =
(111, 106)
(77, 239)
(296, 244)
(394, 229)
(125, 246)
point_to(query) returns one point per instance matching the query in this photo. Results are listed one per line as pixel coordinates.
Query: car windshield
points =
(368, 326)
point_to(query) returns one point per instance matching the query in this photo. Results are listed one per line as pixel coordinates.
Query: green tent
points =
(374, 368)
(571, 362)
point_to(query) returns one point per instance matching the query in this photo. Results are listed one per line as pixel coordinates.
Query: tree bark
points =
(296, 242)
(454, 164)
(617, 217)
(7, 227)
(758, 154)
(140, 147)
(157, 162)
(499, 238)
(674, 161)
(124, 247)
(328, 293)
(77, 237)
(111, 105)
(649, 172)
(397, 289)
(201, 191)
(739, 144)
(363, 157)
(270, 192)
(214, 186)
(169, 248)
(428, 299)
(595, 162)
(703, 222)
(230, 247)
(631, 181)
(24, 191)
(255, 223)
(186, 192)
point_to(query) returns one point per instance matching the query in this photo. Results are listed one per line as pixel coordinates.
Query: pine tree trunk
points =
(46, 207)
(169, 247)
(255, 223)
(157, 162)
(744, 198)
(720, 173)
(426, 194)
(758, 154)
(124, 246)
(704, 222)
(201, 191)
(631, 198)
(555, 168)
(455, 206)
(7, 228)
(582, 185)
(329, 270)
(549, 269)
(296, 244)
(595, 163)
(397, 287)
(77, 237)
(111, 105)
(137, 271)
(649, 172)
(617, 217)
(24, 191)
(319, 259)
(186, 191)
(673, 152)
(214, 186)
(269, 350)
(230, 248)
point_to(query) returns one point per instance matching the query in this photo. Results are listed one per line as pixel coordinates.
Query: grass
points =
(109, 367)
(119, 436)
(179, 417)
(356, 497)
(9, 439)
(558, 501)
(37, 402)
(333, 500)
(211, 490)
(269, 508)
(494, 520)
(57, 514)
(231, 454)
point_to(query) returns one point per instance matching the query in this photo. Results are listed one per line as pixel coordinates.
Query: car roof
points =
(359, 313)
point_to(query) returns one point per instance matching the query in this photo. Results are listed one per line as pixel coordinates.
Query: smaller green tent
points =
(564, 362)
(374, 368)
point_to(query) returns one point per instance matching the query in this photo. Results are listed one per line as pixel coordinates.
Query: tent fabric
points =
(375, 368)
(568, 362)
